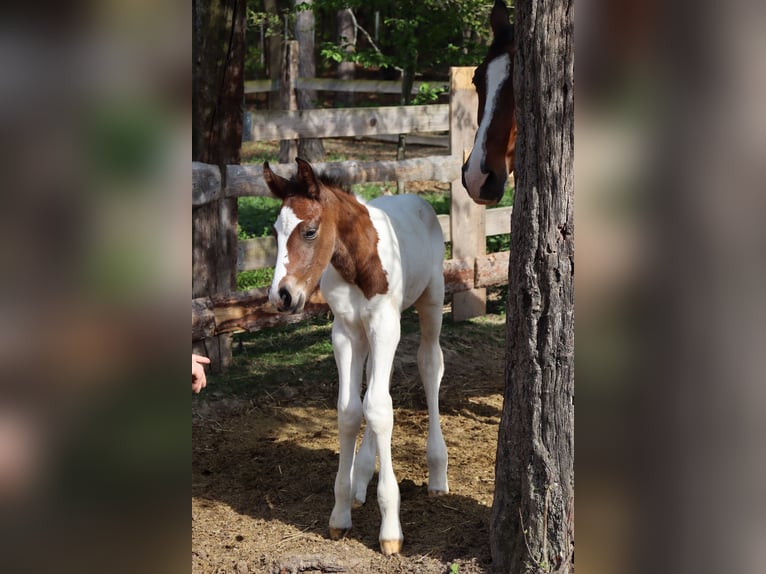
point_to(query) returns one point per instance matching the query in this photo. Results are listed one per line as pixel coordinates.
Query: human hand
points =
(198, 372)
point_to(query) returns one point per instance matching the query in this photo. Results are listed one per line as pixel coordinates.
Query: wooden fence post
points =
(466, 217)
(288, 97)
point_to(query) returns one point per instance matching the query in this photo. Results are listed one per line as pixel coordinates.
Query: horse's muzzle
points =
(288, 302)
(492, 191)
(487, 190)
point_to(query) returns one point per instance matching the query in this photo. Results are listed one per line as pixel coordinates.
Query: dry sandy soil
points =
(264, 459)
(264, 464)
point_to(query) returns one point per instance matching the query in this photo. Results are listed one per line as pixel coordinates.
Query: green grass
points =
(257, 216)
(300, 356)
(266, 360)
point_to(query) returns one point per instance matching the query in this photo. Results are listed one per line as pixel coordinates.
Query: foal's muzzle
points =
(288, 301)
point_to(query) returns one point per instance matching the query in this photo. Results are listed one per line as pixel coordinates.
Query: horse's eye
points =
(310, 233)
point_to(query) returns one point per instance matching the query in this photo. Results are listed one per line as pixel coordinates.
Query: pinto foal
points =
(372, 261)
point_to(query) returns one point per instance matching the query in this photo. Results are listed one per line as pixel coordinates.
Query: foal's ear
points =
(498, 17)
(307, 178)
(277, 184)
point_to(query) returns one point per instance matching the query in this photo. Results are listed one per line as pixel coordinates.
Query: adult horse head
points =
(491, 160)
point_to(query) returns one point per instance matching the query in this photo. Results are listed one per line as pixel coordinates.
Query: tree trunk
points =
(217, 95)
(310, 149)
(405, 97)
(532, 522)
(346, 70)
(275, 56)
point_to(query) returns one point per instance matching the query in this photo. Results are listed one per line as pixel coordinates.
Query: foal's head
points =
(305, 237)
(491, 160)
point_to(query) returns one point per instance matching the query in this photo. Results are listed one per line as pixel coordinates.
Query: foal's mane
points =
(325, 180)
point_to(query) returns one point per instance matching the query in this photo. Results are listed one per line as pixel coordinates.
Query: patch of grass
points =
(252, 279)
(291, 355)
(257, 216)
(300, 356)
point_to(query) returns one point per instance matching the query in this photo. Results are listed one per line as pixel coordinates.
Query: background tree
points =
(310, 149)
(346, 39)
(218, 56)
(531, 526)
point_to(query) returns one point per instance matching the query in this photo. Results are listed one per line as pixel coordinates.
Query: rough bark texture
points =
(218, 90)
(275, 44)
(532, 514)
(311, 149)
(346, 70)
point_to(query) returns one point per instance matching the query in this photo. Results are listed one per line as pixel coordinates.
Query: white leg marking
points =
(286, 223)
(431, 368)
(384, 332)
(350, 349)
(364, 467)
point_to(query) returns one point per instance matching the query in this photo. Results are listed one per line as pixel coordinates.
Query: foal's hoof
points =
(437, 492)
(357, 504)
(388, 547)
(338, 533)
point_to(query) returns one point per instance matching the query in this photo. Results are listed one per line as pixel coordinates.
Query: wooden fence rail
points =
(333, 85)
(467, 274)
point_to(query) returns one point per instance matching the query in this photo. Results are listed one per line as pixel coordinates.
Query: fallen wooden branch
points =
(251, 310)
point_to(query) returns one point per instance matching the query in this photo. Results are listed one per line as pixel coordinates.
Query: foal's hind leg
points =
(364, 468)
(431, 368)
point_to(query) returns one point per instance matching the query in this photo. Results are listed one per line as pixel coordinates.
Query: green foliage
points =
(428, 94)
(256, 216)
(256, 219)
(413, 33)
(252, 279)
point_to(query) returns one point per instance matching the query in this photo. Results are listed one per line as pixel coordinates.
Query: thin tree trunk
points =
(408, 79)
(310, 149)
(217, 96)
(532, 522)
(346, 70)
(275, 56)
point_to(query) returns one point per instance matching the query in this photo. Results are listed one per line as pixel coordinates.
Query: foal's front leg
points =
(383, 334)
(350, 349)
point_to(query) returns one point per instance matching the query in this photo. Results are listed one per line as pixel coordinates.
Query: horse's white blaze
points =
(498, 71)
(284, 226)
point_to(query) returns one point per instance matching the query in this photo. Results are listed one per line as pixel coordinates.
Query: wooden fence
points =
(467, 273)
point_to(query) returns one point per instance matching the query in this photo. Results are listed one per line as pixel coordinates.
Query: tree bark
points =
(346, 70)
(217, 94)
(311, 149)
(532, 520)
(275, 56)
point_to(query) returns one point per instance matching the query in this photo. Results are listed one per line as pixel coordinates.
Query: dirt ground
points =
(264, 465)
(265, 456)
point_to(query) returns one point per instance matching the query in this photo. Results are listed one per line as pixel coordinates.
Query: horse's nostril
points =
(284, 297)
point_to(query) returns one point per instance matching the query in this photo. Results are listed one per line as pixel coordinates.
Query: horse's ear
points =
(498, 17)
(307, 178)
(277, 184)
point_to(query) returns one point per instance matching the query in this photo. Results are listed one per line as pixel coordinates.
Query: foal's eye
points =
(310, 233)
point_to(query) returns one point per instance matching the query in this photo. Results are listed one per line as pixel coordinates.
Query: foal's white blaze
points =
(284, 226)
(498, 71)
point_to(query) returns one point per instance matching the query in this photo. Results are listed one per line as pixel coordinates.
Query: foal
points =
(371, 261)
